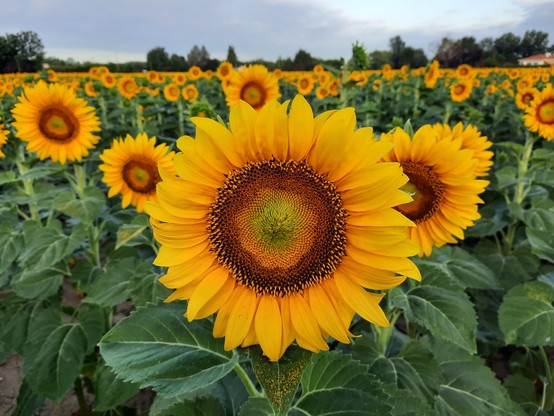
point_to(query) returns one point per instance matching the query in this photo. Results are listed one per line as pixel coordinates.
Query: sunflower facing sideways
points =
(442, 182)
(131, 168)
(55, 123)
(539, 117)
(3, 138)
(280, 223)
(254, 85)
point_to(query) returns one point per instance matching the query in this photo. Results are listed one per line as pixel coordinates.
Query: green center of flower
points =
(141, 176)
(545, 113)
(278, 226)
(58, 124)
(425, 188)
(254, 94)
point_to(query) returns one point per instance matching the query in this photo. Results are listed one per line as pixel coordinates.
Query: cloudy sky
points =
(124, 30)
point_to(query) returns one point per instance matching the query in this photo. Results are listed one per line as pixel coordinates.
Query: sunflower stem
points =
(140, 125)
(248, 384)
(83, 407)
(28, 186)
(520, 190)
(180, 117)
(447, 113)
(548, 391)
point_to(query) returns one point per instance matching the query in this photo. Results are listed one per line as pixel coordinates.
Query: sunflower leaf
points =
(526, 315)
(110, 390)
(158, 348)
(86, 209)
(445, 313)
(335, 384)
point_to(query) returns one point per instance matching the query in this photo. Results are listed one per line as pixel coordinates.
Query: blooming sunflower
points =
(305, 84)
(190, 93)
(3, 138)
(127, 86)
(442, 182)
(194, 73)
(55, 122)
(461, 90)
(90, 90)
(471, 139)
(525, 97)
(108, 80)
(131, 168)
(225, 70)
(278, 225)
(172, 92)
(539, 117)
(254, 85)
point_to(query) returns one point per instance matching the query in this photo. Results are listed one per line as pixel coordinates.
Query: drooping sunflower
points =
(280, 223)
(432, 74)
(461, 90)
(471, 139)
(442, 182)
(539, 117)
(127, 86)
(3, 139)
(254, 85)
(55, 122)
(131, 168)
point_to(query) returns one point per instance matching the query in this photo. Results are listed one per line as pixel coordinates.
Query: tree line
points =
(24, 52)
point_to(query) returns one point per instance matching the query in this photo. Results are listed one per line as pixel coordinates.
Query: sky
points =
(119, 31)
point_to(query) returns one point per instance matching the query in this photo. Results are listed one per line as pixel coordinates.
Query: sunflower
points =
(194, 73)
(190, 93)
(442, 182)
(172, 92)
(127, 87)
(464, 71)
(90, 90)
(254, 85)
(539, 117)
(225, 70)
(180, 78)
(131, 168)
(3, 138)
(525, 97)
(461, 90)
(471, 139)
(278, 224)
(108, 80)
(321, 92)
(55, 122)
(305, 84)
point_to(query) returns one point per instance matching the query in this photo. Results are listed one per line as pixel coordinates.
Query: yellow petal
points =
(304, 323)
(269, 327)
(240, 317)
(326, 315)
(206, 290)
(301, 128)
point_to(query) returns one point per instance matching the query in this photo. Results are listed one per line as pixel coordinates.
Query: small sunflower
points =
(321, 92)
(464, 71)
(471, 139)
(55, 123)
(305, 84)
(194, 73)
(525, 97)
(190, 93)
(254, 85)
(3, 138)
(180, 78)
(442, 183)
(279, 225)
(108, 80)
(172, 92)
(539, 117)
(127, 87)
(90, 90)
(461, 90)
(131, 168)
(225, 70)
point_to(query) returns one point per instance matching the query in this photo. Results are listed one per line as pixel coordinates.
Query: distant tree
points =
(412, 57)
(487, 45)
(379, 58)
(157, 59)
(21, 51)
(507, 47)
(232, 57)
(303, 61)
(533, 43)
(198, 56)
(462, 51)
(176, 63)
(359, 58)
(284, 63)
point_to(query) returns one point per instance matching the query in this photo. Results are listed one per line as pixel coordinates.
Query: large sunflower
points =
(471, 139)
(539, 117)
(55, 123)
(442, 182)
(131, 168)
(278, 225)
(254, 85)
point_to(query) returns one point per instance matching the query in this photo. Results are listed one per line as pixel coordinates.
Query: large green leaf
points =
(445, 313)
(11, 244)
(109, 390)
(86, 209)
(526, 315)
(28, 402)
(40, 283)
(58, 362)
(542, 243)
(335, 384)
(157, 347)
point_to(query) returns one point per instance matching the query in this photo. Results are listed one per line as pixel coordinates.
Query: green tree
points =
(21, 51)
(533, 42)
(397, 46)
(412, 57)
(303, 61)
(232, 57)
(177, 63)
(359, 58)
(379, 58)
(198, 56)
(507, 46)
(157, 59)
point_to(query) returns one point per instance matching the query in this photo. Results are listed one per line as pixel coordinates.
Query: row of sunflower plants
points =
(253, 242)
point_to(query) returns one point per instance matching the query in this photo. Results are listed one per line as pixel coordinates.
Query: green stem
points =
(250, 388)
(180, 117)
(520, 191)
(447, 113)
(29, 190)
(83, 407)
(94, 244)
(548, 390)
(103, 111)
(416, 99)
(140, 125)
(383, 334)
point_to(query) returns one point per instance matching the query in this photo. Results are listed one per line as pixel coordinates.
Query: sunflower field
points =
(254, 242)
